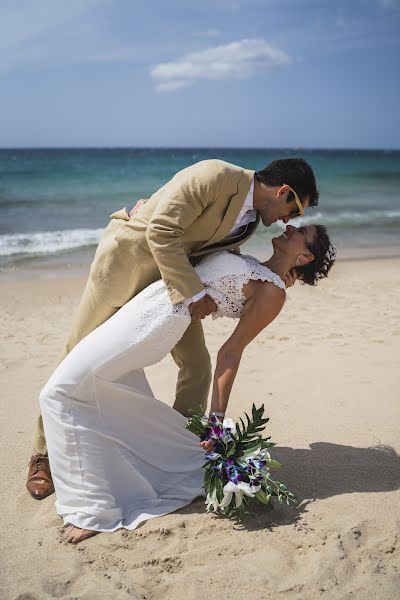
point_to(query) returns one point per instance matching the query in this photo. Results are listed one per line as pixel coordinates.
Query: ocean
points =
(54, 203)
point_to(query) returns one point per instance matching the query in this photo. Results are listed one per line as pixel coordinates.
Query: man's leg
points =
(194, 378)
(92, 312)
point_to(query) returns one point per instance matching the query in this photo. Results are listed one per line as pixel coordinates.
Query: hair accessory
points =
(330, 257)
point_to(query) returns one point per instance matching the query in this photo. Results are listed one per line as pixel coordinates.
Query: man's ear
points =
(281, 190)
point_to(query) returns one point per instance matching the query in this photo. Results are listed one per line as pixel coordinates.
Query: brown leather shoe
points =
(39, 484)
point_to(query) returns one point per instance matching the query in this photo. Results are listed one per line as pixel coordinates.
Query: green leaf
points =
(251, 450)
(267, 444)
(262, 496)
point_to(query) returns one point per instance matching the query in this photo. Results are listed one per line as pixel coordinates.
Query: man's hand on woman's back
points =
(290, 278)
(137, 206)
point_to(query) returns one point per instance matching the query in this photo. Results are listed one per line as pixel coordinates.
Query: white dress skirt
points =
(118, 455)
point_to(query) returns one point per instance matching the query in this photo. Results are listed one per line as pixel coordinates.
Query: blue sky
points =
(259, 73)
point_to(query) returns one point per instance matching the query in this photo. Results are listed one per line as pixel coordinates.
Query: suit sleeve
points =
(181, 202)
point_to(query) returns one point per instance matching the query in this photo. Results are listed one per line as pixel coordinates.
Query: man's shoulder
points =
(209, 176)
(214, 171)
(219, 165)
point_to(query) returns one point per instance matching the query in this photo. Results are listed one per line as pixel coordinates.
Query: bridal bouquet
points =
(238, 468)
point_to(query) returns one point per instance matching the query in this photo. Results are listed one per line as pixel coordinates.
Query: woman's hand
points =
(207, 445)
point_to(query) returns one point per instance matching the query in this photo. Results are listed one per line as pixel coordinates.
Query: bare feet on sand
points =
(74, 535)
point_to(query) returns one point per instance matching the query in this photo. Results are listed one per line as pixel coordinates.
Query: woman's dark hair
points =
(295, 172)
(323, 260)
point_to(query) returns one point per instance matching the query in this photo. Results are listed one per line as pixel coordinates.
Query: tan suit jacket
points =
(190, 215)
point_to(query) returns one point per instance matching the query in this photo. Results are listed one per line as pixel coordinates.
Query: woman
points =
(119, 456)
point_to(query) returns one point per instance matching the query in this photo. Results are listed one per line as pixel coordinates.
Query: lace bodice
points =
(224, 274)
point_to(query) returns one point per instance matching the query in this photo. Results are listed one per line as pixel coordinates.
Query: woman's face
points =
(295, 240)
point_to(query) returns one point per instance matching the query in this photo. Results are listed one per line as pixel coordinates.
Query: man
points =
(207, 207)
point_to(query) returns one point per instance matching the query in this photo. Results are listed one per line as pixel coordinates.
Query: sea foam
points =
(40, 243)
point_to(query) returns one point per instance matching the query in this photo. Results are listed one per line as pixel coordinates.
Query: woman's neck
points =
(279, 264)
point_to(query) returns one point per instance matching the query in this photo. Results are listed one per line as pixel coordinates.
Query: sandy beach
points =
(327, 371)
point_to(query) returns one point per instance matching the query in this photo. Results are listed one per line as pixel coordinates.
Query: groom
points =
(207, 207)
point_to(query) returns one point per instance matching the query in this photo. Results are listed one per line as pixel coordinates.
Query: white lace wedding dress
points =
(118, 455)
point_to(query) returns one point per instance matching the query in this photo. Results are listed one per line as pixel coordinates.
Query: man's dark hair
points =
(295, 172)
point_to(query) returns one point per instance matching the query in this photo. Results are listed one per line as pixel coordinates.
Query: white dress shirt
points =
(247, 214)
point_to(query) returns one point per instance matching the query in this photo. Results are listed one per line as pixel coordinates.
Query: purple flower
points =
(217, 431)
(212, 455)
(218, 468)
(235, 476)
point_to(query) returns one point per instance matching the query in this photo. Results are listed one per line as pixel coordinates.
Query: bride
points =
(117, 454)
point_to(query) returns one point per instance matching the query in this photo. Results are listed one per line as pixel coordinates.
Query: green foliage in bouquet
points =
(238, 467)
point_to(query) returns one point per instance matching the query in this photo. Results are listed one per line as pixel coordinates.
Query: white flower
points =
(211, 500)
(330, 256)
(239, 489)
(255, 454)
(229, 423)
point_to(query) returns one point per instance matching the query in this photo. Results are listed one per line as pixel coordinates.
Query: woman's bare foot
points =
(74, 535)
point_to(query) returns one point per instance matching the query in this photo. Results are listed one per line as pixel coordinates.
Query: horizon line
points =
(211, 147)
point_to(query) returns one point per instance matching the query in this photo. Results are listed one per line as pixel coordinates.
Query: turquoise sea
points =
(54, 203)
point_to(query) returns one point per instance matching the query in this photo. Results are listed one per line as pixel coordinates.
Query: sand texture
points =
(327, 372)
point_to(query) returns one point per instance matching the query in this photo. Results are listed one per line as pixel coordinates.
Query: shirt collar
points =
(248, 201)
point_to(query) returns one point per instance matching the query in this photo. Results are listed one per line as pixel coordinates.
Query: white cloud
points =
(238, 60)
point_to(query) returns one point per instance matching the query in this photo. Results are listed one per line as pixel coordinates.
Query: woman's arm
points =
(263, 307)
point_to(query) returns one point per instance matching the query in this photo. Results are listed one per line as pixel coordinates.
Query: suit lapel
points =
(241, 237)
(233, 209)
